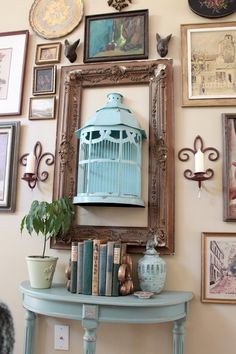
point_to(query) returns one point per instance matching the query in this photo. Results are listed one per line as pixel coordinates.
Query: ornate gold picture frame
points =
(156, 77)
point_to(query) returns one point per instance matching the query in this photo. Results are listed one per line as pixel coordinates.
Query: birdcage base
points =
(109, 201)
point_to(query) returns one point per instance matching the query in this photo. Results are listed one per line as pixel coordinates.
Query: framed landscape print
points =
(229, 166)
(219, 267)
(42, 108)
(44, 81)
(116, 36)
(48, 53)
(208, 64)
(9, 141)
(13, 49)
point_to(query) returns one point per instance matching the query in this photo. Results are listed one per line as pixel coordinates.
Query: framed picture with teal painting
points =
(118, 36)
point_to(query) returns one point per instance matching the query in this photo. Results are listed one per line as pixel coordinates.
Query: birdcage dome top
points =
(114, 113)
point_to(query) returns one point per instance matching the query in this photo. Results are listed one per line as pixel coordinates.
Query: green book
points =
(116, 265)
(73, 275)
(102, 270)
(80, 267)
(87, 267)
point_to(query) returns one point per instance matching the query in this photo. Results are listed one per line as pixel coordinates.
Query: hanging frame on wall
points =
(156, 76)
(212, 9)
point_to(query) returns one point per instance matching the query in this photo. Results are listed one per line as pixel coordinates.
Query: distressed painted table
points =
(58, 302)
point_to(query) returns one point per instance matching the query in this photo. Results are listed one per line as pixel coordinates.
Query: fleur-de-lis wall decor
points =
(119, 4)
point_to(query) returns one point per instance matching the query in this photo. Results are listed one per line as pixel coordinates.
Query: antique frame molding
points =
(157, 75)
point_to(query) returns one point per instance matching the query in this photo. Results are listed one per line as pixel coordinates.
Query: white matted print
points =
(13, 47)
(219, 267)
(42, 108)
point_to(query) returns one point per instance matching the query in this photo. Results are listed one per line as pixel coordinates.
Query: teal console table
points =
(91, 310)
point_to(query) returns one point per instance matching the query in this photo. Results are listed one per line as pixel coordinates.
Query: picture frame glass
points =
(219, 267)
(44, 80)
(42, 108)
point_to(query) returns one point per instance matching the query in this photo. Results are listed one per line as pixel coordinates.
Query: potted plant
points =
(47, 219)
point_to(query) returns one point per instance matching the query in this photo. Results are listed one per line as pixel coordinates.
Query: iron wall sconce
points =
(32, 162)
(198, 151)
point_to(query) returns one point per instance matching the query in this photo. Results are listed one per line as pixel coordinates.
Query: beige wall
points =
(210, 329)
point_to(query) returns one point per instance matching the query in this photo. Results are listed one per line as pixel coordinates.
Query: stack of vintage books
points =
(94, 267)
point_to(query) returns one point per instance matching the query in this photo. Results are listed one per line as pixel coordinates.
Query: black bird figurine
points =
(70, 50)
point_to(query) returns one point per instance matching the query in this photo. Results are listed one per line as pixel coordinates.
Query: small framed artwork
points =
(9, 142)
(229, 166)
(116, 36)
(208, 61)
(48, 53)
(218, 267)
(42, 108)
(13, 50)
(44, 80)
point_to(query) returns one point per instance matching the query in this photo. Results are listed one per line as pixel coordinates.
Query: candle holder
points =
(184, 155)
(33, 178)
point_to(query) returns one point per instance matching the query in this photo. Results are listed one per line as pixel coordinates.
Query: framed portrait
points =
(229, 166)
(44, 80)
(48, 53)
(42, 108)
(9, 141)
(13, 50)
(208, 62)
(116, 36)
(218, 267)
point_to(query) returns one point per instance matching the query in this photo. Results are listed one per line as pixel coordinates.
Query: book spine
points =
(87, 267)
(80, 267)
(109, 267)
(116, 265)
(102, 270)
(74, 258)
(96, 247)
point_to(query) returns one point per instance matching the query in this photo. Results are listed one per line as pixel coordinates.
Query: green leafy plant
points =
(49, 219)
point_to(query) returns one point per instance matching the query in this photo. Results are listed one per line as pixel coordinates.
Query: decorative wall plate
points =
(52, 19)
(212, 8)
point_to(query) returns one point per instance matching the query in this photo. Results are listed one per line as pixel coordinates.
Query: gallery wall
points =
(210, 328)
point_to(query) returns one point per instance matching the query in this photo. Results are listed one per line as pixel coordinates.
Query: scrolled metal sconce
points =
(198, 151)
(32, 162)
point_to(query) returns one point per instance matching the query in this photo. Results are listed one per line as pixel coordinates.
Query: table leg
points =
(178, 336)
(29, 332)
(90, 323)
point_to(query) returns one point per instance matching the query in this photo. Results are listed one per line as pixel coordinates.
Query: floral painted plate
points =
(212, 8)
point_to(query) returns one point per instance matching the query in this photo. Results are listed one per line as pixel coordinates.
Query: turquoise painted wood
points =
(91, 310)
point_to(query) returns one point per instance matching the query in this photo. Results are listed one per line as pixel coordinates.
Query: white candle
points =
(199, 161)
(30, 165)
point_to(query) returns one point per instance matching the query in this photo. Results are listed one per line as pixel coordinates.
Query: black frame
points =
(111, 46)
(51, 88)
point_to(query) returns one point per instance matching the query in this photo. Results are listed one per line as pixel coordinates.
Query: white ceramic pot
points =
(41, 271)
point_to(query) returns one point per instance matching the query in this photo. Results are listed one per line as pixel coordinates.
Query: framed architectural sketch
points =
(116, 36)
(42, 108)
(229, 166)
(9, 140)
(218, 267)
(208, 62)
(44, 81)
(48, 53)
(13, 49)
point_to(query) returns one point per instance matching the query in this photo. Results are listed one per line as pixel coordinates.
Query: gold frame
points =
(41, 47)
(199, 100)
(53, 98)
(215, 271)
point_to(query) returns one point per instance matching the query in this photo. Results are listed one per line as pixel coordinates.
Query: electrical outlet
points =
(61, 337)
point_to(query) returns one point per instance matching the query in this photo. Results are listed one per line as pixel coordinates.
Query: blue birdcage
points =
(110, 151)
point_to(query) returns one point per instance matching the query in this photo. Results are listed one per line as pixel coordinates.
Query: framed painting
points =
(229, 166)
(13, 50)
(218, 267)
(9, 141)
(42, 108)
(82, 88)
(48, 53)
(208, 61)
(119, 36)
(44, 80)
